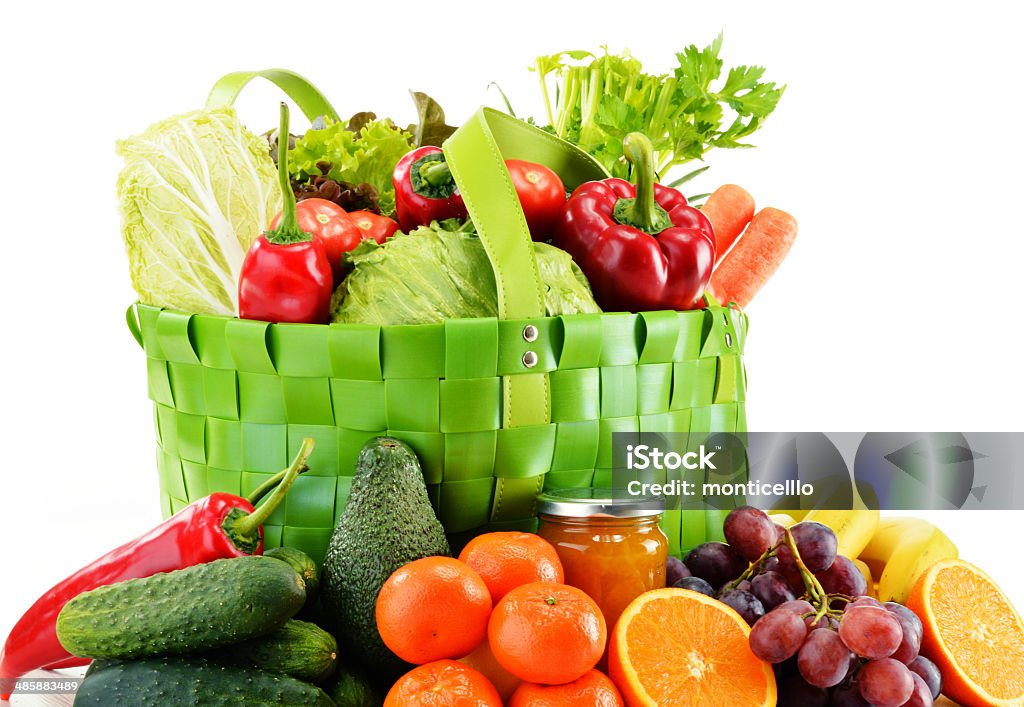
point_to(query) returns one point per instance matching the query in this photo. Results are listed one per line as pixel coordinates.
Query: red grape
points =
(798, 606)
(778, 635)
(912, 630)
(695, 584)
(675, 570)
(929, 672)
(794, 690)
(745, 604)
(749, 531)
(824, 659)
(847, 696)
(885, 683)
(843, 577)
(864, 601)
(870, 632)
(922, 694)
(716, 563)
(816, 543)
(772, 589)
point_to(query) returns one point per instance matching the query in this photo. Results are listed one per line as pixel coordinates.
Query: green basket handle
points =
(306, 96)
(476, 154)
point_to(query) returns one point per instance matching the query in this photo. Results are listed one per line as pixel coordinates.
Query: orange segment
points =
(675, 648)
(972, 632)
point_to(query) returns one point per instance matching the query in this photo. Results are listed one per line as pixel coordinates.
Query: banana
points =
(853, 528)
(890, 534)
(866, 571)
(783, 519)
(911, 559)
(796, 514)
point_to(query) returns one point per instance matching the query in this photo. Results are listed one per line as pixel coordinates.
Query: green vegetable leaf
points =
(432, 128)
(368, 155)
(195, 192)
(598, 99)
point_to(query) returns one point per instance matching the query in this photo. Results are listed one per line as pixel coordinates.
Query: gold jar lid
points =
(589, 502)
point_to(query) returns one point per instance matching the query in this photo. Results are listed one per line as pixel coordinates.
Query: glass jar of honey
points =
(613, 549)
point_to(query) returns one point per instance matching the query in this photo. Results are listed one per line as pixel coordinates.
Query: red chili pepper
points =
(375, 226)
(425, 190)
(642, 247)
(218, 526)
(286, 275)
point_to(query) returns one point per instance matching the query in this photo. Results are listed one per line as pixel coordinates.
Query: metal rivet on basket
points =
(530, 333)
(529, 359)
(728, 339)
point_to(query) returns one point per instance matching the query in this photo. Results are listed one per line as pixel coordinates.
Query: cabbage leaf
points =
(195, 191)
(441, 272)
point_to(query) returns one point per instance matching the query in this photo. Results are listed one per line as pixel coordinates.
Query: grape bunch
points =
(810, 616)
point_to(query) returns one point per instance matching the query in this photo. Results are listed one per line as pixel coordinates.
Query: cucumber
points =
(300, 649)
(177, 682)
(303, 564)
(189, 610)
(350, 688)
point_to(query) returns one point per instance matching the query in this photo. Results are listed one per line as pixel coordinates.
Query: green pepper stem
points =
(249, 525)
(287, 230)
(435, 172)
(639, 151)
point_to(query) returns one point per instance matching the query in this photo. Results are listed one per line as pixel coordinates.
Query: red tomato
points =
(332, 225)
(541, 194)
(374, 226)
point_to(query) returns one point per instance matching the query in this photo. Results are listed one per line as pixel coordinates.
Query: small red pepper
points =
(425, 190)
(642, 247)
(286, 275)
(218, 526)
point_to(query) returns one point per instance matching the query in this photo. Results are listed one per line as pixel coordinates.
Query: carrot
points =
(755, 258)
(729, 209)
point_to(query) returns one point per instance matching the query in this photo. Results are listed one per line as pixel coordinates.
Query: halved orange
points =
(676, 648)
(972, 633)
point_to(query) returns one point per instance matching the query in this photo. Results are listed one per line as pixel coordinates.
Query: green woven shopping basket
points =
(497, 409)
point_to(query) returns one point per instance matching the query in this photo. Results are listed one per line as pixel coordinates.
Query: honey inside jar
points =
(614, 550)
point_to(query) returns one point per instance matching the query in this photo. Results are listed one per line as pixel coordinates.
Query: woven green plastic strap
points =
(306, 96)
(476, 154)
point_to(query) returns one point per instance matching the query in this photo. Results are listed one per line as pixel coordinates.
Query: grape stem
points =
(754, 569)
(817, 595)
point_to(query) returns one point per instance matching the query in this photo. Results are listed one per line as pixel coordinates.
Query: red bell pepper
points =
(642, 247)
(218, 526)
(286, 275)
(425, 190)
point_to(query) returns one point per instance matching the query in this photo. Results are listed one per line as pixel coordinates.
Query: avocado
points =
(387, 523)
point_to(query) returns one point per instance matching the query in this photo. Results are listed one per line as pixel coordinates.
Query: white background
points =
(897, 145)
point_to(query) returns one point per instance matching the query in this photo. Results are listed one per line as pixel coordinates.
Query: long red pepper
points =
(218, 526)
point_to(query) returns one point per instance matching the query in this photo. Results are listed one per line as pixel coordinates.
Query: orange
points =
(594, 689)
(511, 559)
(677, 647)
(443, 683)
(972, 632)
(547, 633)
(483, 659)
(433, 608)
